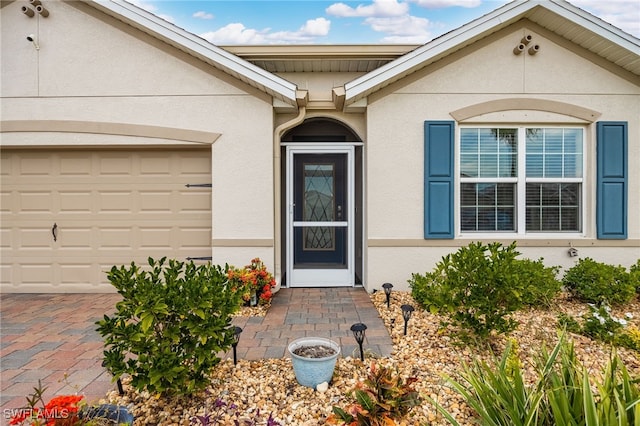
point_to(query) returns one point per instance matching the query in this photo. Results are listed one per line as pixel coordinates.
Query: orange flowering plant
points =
(66, 410)
(61, 410)
(253, 281)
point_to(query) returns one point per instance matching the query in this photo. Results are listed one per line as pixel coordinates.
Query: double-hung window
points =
(521, 179)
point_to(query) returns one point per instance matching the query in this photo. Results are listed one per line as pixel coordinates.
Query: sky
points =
(252, 22)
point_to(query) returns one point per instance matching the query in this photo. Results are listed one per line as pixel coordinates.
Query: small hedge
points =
(479, 286)
(169, 326)
(597, 282)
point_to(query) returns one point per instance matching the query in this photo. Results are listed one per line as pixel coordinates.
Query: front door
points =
(320, 181)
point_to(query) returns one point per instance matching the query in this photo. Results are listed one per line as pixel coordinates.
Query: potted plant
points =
(254, 282)
(313, 360)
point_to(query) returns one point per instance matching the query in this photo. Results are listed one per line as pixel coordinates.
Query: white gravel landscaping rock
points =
(426, 352)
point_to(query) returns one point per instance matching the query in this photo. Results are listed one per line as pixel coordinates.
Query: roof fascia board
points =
(434, 48)
(167, 31)
(359, 87)
(594, 24)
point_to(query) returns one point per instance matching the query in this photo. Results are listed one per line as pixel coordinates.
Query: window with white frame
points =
(521, 179)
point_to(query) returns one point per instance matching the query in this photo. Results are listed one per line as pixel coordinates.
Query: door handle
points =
(54, 231)
(339, 212)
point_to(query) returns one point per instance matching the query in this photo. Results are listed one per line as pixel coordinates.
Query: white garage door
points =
(67, 216)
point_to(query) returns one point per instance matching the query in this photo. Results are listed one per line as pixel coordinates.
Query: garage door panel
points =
(34, 238)
(76, 164)
(5, 201)
(198, 202)
(120, 201)
(35, 201)
(115, 164)
(76, 273)
(79, 238)
(5, 238)
(118, 238)
(155, 238)
(155, 201)
(195, 238)
(75, 201)
(6, 273)
(35, 273)
(156, 165)
(5, 166)
(36, 165)
(110, 208)
(194, 163)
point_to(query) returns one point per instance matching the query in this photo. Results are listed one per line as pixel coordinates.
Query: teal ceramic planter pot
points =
(310, 372)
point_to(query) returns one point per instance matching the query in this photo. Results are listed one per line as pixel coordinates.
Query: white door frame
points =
(321, 277)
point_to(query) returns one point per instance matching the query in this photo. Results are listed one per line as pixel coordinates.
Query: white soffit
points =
(558, 16)
(175, 36)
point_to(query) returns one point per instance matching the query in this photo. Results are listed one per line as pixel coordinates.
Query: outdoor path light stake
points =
(387, 291)
(359, 333)
(407, 310)
(236, 338)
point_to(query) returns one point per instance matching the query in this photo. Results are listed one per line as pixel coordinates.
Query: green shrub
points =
(169, 326)
(381, 399)
(597, 282)
(479, 286)
(561, 394)
(541, 285)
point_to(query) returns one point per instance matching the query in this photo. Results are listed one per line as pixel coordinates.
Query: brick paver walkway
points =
(50, 336)
(318, 312)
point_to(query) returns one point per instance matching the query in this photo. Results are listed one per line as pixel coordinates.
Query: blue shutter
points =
(611, 215)
(438, 179)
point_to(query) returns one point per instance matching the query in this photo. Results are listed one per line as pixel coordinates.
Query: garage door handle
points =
(54, 232)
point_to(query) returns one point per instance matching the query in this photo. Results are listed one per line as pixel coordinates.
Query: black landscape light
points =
(407, 310)
(387, 291)
(236, 338)
(359, 333)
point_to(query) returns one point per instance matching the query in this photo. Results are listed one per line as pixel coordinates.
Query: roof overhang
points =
(557, 16)
(283, 92)
(299, 58)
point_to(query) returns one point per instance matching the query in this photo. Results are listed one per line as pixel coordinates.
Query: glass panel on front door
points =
(320, 196)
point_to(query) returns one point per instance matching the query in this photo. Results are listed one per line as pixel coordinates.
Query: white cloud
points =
(440, 4)
(403, 29)
(389, 17)
(379, 8)
(316, 27)
(311, 30)
(624, 14)
(202, 15)
(237, 33)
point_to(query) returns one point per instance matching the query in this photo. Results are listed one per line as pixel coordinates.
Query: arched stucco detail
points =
(337, 119)
(108, 128)
(525, 104)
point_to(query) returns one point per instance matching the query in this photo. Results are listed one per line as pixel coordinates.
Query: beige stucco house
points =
(124, 137)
